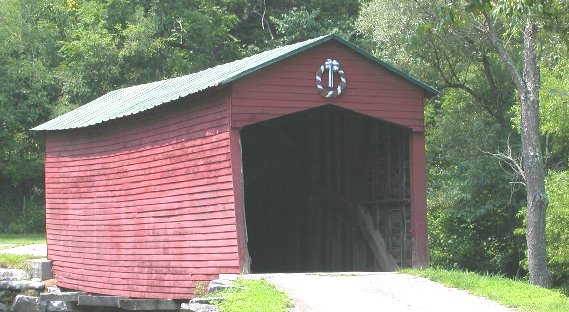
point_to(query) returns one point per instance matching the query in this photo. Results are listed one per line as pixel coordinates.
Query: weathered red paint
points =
(148, 205)
(289, 86)
(143, 207)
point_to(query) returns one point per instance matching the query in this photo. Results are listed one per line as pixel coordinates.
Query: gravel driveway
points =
(328, 292)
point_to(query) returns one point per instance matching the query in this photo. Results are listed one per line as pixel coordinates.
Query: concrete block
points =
(64, 296)
(219, 285)
(13, 275)
(99, 301)
(149, 305)
(25, 304)
(208, 300)
(21, 285)
(61, 306)
(41, 269)
(198, 307)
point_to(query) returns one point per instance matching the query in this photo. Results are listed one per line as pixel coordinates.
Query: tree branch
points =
(503, 54)
(514, 162)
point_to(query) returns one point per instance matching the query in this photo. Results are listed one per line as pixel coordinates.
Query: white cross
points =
(332, 66)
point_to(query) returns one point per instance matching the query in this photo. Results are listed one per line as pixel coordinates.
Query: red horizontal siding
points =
(133, 212)
(289, 86)
(205, 241)
(99, 135)
(143, 206)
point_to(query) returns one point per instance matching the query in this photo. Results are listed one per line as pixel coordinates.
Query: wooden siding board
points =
(160, 123)
(211, 241)
(140, 205)
(161, 157)
(169, 203)
(418, 186)
(190, 147)
(113, 214)
(205, 237)
(149, 262)
(209, 175)
(213, 162)
(289, 86)
(237, 167)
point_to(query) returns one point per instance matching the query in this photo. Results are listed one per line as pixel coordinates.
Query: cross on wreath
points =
(332, 66)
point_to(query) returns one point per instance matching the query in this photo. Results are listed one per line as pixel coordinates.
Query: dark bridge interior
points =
(326, 190)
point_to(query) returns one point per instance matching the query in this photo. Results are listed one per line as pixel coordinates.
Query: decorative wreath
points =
(334, 67)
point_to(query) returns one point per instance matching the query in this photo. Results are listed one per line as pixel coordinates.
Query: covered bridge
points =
(309, 157)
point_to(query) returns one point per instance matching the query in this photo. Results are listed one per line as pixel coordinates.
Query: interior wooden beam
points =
(374, 239)
(373, 236)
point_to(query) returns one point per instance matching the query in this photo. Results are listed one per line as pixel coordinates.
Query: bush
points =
(557, 218)
(25, 217)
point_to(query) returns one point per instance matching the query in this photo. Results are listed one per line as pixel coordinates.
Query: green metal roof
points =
(136, 99)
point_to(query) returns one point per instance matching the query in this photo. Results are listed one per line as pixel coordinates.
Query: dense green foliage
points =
(473, 206)
(514, 294)
(557, 220)
(476, 194)
(57, 55)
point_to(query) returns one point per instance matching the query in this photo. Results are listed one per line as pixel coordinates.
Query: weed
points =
(200, 288)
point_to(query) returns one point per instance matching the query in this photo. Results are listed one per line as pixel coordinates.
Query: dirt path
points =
(329, 292)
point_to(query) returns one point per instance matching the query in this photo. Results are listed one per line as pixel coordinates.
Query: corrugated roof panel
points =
(136, 99)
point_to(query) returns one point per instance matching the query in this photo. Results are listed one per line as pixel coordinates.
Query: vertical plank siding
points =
(143, 207)
(289, 86)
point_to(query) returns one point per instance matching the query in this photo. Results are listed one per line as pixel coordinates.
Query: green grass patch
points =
(253, 296)
(22, 239)
(515, 294)
(16, 261)
(15, 240)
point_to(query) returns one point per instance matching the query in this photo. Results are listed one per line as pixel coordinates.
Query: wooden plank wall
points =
(143, 206)
(289, 86)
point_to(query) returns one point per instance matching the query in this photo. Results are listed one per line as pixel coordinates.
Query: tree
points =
(473, 205)
(29, 34)
(461, 44)
(527, 82)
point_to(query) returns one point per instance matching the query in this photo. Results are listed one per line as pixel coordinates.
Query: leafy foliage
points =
(557, 220)
(473, 207)
(475, 199)
(57, 55)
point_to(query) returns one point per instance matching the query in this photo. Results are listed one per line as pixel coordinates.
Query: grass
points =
(252, 296)
(22, 239)
(515, 294)
(18, 261)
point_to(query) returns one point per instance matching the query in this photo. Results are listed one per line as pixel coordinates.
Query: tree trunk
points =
(533, 162)
(528, 92)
